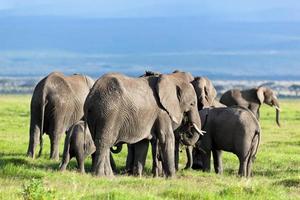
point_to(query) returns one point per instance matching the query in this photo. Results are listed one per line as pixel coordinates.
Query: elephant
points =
(206, 94)
(252, 99)
(233, 129)
(122, 109)
(56, 104)
(78, 144)
(137, 153)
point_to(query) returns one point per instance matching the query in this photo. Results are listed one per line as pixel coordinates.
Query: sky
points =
(231, 10)
(197, 34)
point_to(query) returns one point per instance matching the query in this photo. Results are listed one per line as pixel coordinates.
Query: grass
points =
(276, 169)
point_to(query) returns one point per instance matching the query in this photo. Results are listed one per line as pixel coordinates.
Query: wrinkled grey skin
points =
(56, 103)
(133, 109)
(78, 144)
(232, 129)
(206, 94)
(252, 99)
(137, 153)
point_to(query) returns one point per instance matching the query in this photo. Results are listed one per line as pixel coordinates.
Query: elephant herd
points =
(164, 110)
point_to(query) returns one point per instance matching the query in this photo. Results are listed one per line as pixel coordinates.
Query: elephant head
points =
(206, 92)
(177, 96)
(267, 96)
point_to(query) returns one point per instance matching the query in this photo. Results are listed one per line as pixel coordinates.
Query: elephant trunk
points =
(191, 136)
(276, 105)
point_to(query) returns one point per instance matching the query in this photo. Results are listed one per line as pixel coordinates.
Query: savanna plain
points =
(276, 170)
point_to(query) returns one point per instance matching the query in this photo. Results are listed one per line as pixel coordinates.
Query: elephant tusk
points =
(198, 130)
(277, 108)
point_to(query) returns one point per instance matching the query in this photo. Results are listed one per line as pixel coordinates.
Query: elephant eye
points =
(193, 103)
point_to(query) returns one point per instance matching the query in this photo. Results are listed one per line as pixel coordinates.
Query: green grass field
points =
(276, 169)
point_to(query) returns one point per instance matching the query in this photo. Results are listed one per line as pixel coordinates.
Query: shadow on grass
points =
(285, 143)
(270, 173)
(20, 166)
(291, 182)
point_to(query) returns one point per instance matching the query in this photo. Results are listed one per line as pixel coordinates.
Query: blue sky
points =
(231, 10)
(207, 36)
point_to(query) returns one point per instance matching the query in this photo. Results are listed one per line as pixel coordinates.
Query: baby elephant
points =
(77, 145)
(232, 129)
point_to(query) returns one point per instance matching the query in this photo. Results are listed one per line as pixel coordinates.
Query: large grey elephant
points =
(56, 103)
(121, 109)
(252, 99)
(233, 129)
(206, 97)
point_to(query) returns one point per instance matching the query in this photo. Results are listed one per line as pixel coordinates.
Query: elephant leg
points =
(167, 144)
(93, 161)
(65, 161)
(154, 147)
(243, 167)
(54, 142)
(55, 133)
(251, 158)
(102, 162)
(217, 156)
(189, 155)
(80, 162)
(112, 163)
(41, 146)
(176, 154)
(34, 138)
(249, 167)
(103, 143)
(140, 155)
(160, 170)
(130, 159)
(206, 161)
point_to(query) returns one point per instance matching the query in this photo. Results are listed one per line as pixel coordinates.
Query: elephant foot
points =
(102, 173)
(128, 172)
(187, 167)
(104, 170)
(54, 157)
(30, 155)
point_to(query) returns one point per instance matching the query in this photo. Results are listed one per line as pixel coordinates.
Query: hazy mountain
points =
(222, 49)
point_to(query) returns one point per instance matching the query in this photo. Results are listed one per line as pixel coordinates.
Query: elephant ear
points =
(213, 90)
(260, 94)
(169, 95)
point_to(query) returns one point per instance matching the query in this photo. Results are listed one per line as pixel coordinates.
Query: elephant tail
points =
(256, 137)
(255, 143)
(43, 106)
(84, 133)
(117, 150)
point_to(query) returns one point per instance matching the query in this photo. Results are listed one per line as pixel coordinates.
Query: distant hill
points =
(284, 89)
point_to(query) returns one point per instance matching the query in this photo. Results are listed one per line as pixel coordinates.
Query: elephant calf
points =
(232, 129)
(77, 145)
